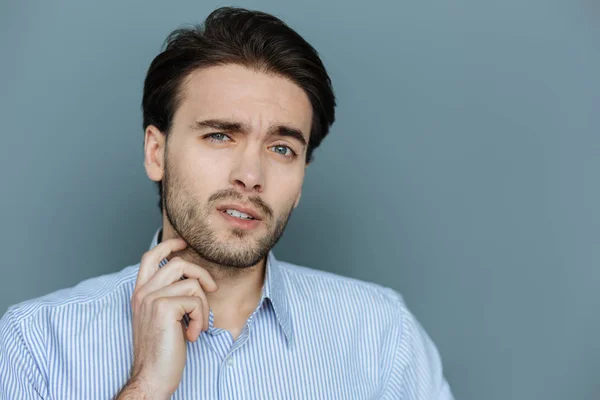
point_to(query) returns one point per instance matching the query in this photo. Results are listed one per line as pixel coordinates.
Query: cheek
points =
(285, 188)
(202, 174)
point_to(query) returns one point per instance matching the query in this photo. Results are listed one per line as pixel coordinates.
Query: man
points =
(232, 113)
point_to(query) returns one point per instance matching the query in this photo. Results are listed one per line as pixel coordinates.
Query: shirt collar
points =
(273, 289)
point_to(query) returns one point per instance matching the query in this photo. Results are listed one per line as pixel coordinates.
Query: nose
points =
(247, 173)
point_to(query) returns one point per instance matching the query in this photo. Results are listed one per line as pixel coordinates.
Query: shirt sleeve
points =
(20, 376)
(416, 370)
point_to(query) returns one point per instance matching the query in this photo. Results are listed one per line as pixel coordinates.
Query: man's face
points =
(234, 162)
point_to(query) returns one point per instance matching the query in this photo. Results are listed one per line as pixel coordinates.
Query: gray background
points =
(461, 169)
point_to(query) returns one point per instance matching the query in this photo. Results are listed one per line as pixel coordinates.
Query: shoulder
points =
(379, 319)
(34, 331)
(377, 315)
(87, 293)
(339, 293)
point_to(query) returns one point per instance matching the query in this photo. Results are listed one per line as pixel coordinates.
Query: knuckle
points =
(136, 300)
(161, 305)
(194, 284)
(193, 288)
(147, 300)
(176, 263)
(145, 257)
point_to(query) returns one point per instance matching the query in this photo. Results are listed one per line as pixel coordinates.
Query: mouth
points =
(243, 213)
(240, 217)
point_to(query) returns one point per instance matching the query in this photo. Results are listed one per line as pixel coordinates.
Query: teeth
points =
(238, 214)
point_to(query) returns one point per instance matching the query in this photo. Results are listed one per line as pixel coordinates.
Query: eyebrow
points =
(238, 127)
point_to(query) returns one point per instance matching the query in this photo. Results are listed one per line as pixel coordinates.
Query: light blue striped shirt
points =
(314, 335)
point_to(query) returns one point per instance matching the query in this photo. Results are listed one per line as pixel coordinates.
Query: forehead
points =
(239, 93)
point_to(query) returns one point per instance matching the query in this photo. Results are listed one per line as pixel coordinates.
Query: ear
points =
(154, 153)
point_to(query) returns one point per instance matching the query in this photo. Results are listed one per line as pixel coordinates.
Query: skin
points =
(201, 169)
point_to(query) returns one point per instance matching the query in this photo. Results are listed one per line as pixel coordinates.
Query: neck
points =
(239, 290)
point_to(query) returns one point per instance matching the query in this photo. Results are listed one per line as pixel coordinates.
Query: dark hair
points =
(237, 36)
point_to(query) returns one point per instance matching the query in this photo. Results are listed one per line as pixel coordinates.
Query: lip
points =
(250, 211)
(246, 224)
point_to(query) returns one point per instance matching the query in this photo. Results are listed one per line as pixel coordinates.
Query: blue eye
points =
(284, 151)
(218, 137)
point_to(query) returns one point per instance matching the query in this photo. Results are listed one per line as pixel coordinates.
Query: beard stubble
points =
(240, 249)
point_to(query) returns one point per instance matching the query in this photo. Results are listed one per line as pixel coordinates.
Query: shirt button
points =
(230, 362)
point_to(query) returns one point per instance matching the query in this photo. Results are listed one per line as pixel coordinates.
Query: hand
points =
(159, 302)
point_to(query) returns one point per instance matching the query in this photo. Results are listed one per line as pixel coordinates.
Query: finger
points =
(187, 287)
(198, 317)
(176, 307)
(172, 272)
(150, 259)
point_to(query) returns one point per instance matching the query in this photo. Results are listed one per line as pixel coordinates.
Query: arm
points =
(133, 391)
(416, 369)
(20, 375)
